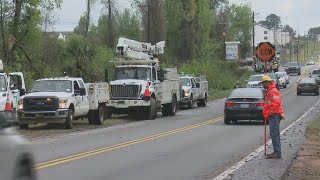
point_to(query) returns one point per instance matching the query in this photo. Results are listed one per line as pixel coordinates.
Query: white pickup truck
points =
(194, 89)
(63, 100)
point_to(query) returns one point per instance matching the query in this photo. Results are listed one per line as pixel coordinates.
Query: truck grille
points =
(125, 91)
(40, 103)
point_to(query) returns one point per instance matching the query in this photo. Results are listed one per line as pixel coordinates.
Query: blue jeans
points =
(274, 125)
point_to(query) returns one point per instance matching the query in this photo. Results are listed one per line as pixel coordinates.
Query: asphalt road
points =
(194, 144)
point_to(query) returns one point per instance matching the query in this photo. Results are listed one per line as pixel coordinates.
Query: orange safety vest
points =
(272, 102)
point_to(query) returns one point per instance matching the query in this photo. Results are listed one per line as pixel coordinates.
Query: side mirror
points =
(197, 85)
(161, 75)
(12, 87)
(22, 92)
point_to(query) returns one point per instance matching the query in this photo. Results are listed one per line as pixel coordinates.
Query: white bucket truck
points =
(139, 86)
(63, 100)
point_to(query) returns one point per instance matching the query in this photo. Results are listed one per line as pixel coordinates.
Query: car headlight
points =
(63, 103)
(20, 104)
(187, 92)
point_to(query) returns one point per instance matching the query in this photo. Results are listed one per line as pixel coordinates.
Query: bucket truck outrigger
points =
(139, 86)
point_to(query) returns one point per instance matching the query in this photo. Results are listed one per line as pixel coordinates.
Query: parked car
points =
(311, 62)
(307, 85)
(316, 74)
(282, 79)
(244, 104)
(17, 161)
(293, 68)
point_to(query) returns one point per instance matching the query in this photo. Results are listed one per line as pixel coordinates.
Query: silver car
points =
(15, 155)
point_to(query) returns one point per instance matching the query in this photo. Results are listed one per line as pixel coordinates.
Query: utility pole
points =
(298, 47)
(307, 45)
(253, 35)
(149, 20)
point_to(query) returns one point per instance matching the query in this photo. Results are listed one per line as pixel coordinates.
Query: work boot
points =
(274, 155)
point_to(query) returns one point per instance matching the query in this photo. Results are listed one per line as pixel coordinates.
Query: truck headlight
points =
(187, 92)
(63, 103)
(20, 104)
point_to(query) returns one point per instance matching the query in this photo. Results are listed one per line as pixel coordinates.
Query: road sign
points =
(265, 51)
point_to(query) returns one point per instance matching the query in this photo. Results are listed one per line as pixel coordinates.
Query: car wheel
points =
(285, 86)
(24, 126)
(317, 93)
(190, 104)
(298, 93)
(226, 120)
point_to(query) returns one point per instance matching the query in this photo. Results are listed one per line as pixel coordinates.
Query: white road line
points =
(229, 171)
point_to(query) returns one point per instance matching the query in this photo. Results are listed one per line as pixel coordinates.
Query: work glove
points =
(283, 117)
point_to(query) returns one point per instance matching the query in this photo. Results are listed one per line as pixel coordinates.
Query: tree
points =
(272, 21)
(109, 5)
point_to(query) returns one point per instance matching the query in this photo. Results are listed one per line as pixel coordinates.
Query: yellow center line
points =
(133, 142)
(122, 145)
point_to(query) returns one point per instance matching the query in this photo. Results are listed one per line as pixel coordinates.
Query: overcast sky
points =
(299, 14)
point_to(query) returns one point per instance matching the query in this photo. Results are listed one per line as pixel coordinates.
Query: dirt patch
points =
(306, 166)
(51, 130)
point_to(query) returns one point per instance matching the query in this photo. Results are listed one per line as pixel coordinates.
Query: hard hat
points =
(266, 78)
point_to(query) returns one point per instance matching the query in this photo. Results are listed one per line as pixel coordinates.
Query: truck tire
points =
(165, 110)
(24, 126)
(69, 120)
(100, 115)
(172, 107)
(152, 110)
(91, 116)
(190, 104)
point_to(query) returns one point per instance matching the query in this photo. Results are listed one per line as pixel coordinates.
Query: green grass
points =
(314, 127)
(218, 94)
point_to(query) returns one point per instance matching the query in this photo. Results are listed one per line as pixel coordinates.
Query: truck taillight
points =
(91, 89)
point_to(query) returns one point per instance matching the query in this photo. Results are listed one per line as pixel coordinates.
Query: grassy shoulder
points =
(307, 164)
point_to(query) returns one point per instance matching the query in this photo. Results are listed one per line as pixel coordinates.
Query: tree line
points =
(194, 30)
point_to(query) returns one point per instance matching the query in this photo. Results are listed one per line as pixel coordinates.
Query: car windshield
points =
(185, 81)
(3, 85)
(316, 71)
(272, 76)
(52, 86)
(255, 78)
(308, 80)
(142, 73)
(293, 64)
(246, 93)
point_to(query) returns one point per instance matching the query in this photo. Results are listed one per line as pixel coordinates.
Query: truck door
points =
(195, 90)
(157, 85)
(84, 104)
(78, 98)
(17, 86)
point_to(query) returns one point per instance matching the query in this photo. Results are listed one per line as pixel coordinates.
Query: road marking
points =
(121, 145)
(74, 157)
(229, 171)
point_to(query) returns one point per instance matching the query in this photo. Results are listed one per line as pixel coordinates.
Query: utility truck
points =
(139, 86)
(63, 100)
(12, 86)
(194, 89)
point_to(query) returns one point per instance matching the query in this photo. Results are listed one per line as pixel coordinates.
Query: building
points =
(277, 37)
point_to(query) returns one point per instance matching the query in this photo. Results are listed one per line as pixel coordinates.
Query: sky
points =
(301, 15)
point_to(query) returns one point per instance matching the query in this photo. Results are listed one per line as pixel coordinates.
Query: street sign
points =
(265, 51)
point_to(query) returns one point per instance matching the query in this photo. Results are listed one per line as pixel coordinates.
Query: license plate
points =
(244, 105)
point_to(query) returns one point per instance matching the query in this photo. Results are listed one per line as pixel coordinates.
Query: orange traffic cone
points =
(8, 104)
(147, 91)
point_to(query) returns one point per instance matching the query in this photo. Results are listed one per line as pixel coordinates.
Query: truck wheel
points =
(152, 110)
(69, 120)
(204, 101)
(173, 106)
(190, 104)
(91, 116)
(100, 115)
(165, 110)
(24, 126)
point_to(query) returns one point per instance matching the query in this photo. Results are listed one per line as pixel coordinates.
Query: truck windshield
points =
(52, 86)
(142, 73)
(185, 82)
(3, 85)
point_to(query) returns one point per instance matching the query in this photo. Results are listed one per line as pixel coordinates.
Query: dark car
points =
(293, 68)
(244, 104)
(308, 85)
